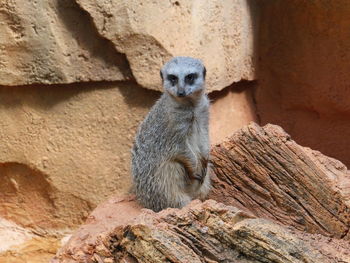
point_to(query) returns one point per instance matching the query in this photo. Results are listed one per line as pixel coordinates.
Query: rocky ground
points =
(275, 201)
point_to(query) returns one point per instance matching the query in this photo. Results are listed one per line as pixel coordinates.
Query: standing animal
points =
(171, 150)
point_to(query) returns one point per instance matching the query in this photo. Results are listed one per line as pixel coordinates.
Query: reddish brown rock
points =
(272, 180)
(104, 219)
(201, 232)
(304, 63)
(231, 109)
(262, 170)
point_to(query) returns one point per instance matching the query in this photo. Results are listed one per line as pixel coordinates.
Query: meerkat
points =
(171, 150)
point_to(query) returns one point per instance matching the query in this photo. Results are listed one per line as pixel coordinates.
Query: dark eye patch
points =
(190, 78)
(172, 78)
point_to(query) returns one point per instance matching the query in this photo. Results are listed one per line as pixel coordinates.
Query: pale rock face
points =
(12, 234)
(150, 32)
(65, 149)
(54, 42)
(58, 42)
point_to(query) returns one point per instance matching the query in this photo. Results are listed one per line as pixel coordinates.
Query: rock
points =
(35, 250)
(116, 211)
(231, 109)
(54, 42)
(12, 235)
(262, 170)
(149, 33)
(20, 245)
(293, 207)
(201, 232)
(64, 149)
(59, 41)
(303, 72)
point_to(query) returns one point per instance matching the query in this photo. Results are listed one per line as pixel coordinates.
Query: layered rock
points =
(272, 180)
(262, 170)
(201, 232)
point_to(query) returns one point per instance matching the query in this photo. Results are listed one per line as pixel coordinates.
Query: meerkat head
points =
(184, 77)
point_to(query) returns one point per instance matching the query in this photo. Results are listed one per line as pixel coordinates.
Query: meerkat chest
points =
(196, 137)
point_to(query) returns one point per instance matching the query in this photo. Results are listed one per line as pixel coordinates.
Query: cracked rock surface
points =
(200, 232)
(262, 170)
(292, 206)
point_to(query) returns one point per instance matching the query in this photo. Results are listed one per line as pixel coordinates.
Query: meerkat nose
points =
(181, 93)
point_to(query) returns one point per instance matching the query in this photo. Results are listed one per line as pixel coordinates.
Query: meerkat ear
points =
(204, 72)
(161, 74)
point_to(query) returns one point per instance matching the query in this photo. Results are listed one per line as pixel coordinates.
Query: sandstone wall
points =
(61, 41)
(54, 41)
(77, 77)
(65, 148)
(304, 50)
(231, 109)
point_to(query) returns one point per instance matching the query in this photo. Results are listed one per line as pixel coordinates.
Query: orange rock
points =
(200, 232)
(262, 170)
(304, 60)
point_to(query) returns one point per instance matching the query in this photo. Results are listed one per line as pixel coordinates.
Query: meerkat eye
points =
(190, 78)
(173, 79)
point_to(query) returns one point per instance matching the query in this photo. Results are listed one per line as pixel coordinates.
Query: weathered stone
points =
(149, 33)
(20, 245)
(54, 42)
(116, 211)
(36, 250)
(304, 50)
(263, 171)
(12, 234)
(58, 42)
(65, 148)
(201, 232)
(230, 110)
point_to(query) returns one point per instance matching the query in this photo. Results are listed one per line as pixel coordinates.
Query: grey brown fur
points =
(171, 151)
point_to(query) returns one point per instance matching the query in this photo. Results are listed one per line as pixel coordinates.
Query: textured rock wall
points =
(304, 50)
(57, 41)
(231, 109)
(69, 144)
(54, 41)
(65, 148)
(149, 32)
(73, 79)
